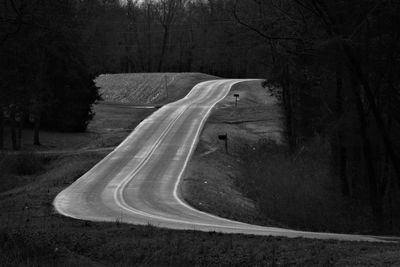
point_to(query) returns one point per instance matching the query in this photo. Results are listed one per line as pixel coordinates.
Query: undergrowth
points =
(20, 168)
(298, 190)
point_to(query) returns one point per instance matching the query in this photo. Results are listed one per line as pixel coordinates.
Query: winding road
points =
(138, 182)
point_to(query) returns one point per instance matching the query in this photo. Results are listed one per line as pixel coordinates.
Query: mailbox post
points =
(224, 137)
(166, 86)
(236, 99)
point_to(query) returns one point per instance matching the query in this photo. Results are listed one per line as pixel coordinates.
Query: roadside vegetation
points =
(32, 234)
(261, 181)
(300, 191)
(19, 169)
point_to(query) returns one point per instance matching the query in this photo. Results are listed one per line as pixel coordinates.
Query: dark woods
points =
(44, 79)
(335, 64)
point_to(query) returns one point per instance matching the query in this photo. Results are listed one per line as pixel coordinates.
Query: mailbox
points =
(223, 137)
(236, 99)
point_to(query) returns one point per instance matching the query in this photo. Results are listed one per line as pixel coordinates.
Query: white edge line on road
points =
(245, 226)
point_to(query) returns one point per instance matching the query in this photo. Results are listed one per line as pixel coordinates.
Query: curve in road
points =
(138, 181)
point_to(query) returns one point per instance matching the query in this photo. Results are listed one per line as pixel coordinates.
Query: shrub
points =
(298, 190)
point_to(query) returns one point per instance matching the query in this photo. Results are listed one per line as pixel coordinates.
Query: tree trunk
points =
(382, 128)
(1, 128)
(149, 39)
(20, 128)
(13, 128)
(163, 48)
(355, 66)
(341, 149)
(36, 128)
(369, 164)
(288, 109)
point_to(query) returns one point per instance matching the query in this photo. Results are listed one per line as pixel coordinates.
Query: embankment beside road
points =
(210, 181)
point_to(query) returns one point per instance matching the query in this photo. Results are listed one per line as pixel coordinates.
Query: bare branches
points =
(258, 31)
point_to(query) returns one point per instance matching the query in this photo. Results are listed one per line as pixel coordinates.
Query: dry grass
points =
(147, 88)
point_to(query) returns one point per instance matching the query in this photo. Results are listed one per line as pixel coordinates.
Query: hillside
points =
(210, 182)
(147, 88)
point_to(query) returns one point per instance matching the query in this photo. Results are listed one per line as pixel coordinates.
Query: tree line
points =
(52, 50)
(44, 78)
(337, 63)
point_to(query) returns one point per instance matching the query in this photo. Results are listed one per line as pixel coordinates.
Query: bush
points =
(298, 190)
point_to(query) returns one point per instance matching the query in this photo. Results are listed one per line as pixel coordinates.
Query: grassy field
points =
(111, 124)
(148, 88)
(32, 234)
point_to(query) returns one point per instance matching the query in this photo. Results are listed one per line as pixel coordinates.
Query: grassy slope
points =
(149, 88)
(31, 234)
(209, 182)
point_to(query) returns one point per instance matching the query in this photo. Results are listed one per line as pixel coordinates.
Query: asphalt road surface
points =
(138, 182)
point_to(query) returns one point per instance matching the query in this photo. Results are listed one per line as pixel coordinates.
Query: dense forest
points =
(334, 64)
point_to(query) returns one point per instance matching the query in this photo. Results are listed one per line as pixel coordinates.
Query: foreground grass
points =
(31, 234)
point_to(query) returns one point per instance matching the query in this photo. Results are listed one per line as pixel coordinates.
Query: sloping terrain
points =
(209, 182)
(148, 88)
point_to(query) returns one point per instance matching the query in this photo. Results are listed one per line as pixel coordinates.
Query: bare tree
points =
(166, 12)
